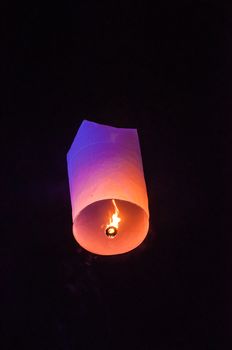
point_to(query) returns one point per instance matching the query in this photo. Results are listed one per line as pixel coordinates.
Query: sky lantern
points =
(107, 187)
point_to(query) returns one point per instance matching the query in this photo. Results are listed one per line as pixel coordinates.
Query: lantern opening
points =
(112, 227)
(89, 227)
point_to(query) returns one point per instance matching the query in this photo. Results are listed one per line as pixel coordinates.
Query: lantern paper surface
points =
(106, 177)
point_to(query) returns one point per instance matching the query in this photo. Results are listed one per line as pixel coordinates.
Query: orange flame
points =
(115, 219)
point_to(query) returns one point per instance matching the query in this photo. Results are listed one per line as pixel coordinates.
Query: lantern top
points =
(90, 133)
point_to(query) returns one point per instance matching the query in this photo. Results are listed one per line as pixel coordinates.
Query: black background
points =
(165, 71)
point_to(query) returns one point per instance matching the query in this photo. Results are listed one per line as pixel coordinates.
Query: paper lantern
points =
(108, 191)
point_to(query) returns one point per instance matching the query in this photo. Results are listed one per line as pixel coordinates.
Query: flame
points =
(115, 219)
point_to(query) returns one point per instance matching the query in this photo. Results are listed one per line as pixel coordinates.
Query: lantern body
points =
(105, 163)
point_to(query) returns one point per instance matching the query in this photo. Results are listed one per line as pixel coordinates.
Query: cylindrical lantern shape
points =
(108, 191)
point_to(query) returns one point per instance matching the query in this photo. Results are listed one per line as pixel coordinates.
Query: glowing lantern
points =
(108, 191)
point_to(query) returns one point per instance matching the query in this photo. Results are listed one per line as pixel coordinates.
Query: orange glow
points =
(115, 219)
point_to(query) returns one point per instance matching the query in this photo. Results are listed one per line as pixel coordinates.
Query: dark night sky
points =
(164, 70)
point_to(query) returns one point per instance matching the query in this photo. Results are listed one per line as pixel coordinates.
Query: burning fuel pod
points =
(112, 227)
